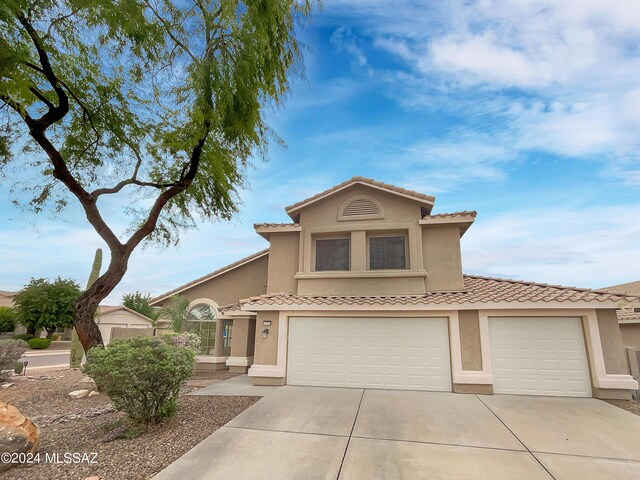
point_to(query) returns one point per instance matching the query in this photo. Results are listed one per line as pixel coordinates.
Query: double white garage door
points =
(395, 353)
(530, 356)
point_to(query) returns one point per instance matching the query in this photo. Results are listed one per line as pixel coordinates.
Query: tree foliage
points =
(7, 319)
(47, 305)
(160, 99)
(139, 302)
(176, 312)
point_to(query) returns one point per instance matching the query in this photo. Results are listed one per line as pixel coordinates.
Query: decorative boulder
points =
(18, 434)
(79, 393)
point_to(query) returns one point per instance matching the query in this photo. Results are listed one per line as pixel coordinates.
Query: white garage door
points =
(394, 353)
(539, 356)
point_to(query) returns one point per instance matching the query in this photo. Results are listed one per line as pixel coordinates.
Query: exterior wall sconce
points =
(265, 333)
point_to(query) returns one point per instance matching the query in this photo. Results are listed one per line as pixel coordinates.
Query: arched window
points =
(202, 321)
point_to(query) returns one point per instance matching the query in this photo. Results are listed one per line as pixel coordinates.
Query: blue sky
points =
(528, 112)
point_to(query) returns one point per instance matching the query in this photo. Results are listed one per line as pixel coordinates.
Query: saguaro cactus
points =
(77, 352)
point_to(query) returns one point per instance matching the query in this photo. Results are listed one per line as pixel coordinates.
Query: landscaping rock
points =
(86, 379)
(76, 394)
(93, 394)
(18, 434)
(6, 385)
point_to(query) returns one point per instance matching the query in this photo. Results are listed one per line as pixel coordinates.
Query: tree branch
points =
(169, 30)
(57, 113)
(42, 97)
(154, 214)
(17, 107)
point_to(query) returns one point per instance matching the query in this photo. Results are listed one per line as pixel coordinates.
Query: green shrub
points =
(39, 343)
(7, 319)
(10, 352)
(142, 376)
(23, 336)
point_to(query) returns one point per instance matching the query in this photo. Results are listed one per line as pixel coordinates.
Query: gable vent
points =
(361, 206)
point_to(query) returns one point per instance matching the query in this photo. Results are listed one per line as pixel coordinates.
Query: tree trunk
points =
(50, 332)
(87, 305)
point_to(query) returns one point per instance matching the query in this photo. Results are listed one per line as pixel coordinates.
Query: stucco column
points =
(241, 343)
(358, 251)
(218, 346)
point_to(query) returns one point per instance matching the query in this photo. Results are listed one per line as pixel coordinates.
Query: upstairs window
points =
(332, 254)
(387, 253)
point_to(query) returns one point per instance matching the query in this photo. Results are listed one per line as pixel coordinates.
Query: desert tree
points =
(160, 101)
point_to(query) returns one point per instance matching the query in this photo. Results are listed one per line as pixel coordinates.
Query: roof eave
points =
(294, 210)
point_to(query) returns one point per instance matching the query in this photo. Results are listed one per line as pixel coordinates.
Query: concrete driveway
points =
(334, 433)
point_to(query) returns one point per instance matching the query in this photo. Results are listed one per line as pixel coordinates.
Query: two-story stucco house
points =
(364, 288)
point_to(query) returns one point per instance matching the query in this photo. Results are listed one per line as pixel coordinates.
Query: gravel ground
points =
(628, 405)
(46, 399)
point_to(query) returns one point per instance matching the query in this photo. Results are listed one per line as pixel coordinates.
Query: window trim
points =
(314, 257)
(388, 235)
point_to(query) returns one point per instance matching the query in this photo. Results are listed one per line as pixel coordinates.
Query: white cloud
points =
(593, 247)
(558, 77)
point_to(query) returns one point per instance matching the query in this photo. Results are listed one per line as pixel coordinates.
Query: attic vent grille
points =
(361, 206)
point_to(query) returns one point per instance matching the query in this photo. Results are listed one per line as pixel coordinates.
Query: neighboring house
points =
(365, 289)
(119, 317)
(6, 298)
(628, 314)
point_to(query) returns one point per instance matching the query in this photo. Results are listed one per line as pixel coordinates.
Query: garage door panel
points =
(539, 356)
(415, 357)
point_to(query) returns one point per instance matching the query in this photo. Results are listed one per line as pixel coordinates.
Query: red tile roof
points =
(631, 287)
(275, 225)
(366, 181)
(465, 213)
(477, 290)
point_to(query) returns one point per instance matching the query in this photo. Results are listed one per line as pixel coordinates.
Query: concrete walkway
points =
(354, 434)
(239, 386)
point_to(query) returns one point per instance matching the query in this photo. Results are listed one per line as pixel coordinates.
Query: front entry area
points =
(358, 352)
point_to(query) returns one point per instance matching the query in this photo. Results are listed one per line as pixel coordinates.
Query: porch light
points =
(265, 333)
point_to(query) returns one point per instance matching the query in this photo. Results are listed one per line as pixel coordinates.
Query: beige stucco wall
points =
(471, 350)
(325, 212)
(283, 264)
(614, 355)
(245, 281)
(401, 216)
(630, 333)
(362, 286)
(266, 349)
(243, 337)
(442, 259)
(119, 319)
(119, 333)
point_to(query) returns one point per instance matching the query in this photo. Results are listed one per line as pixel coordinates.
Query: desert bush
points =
(10, 352)
(39, 343)
(187, 340)
(25, 337)
(142, 376)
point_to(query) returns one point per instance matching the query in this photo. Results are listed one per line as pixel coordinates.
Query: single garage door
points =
(539, 356)
(393, 353)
